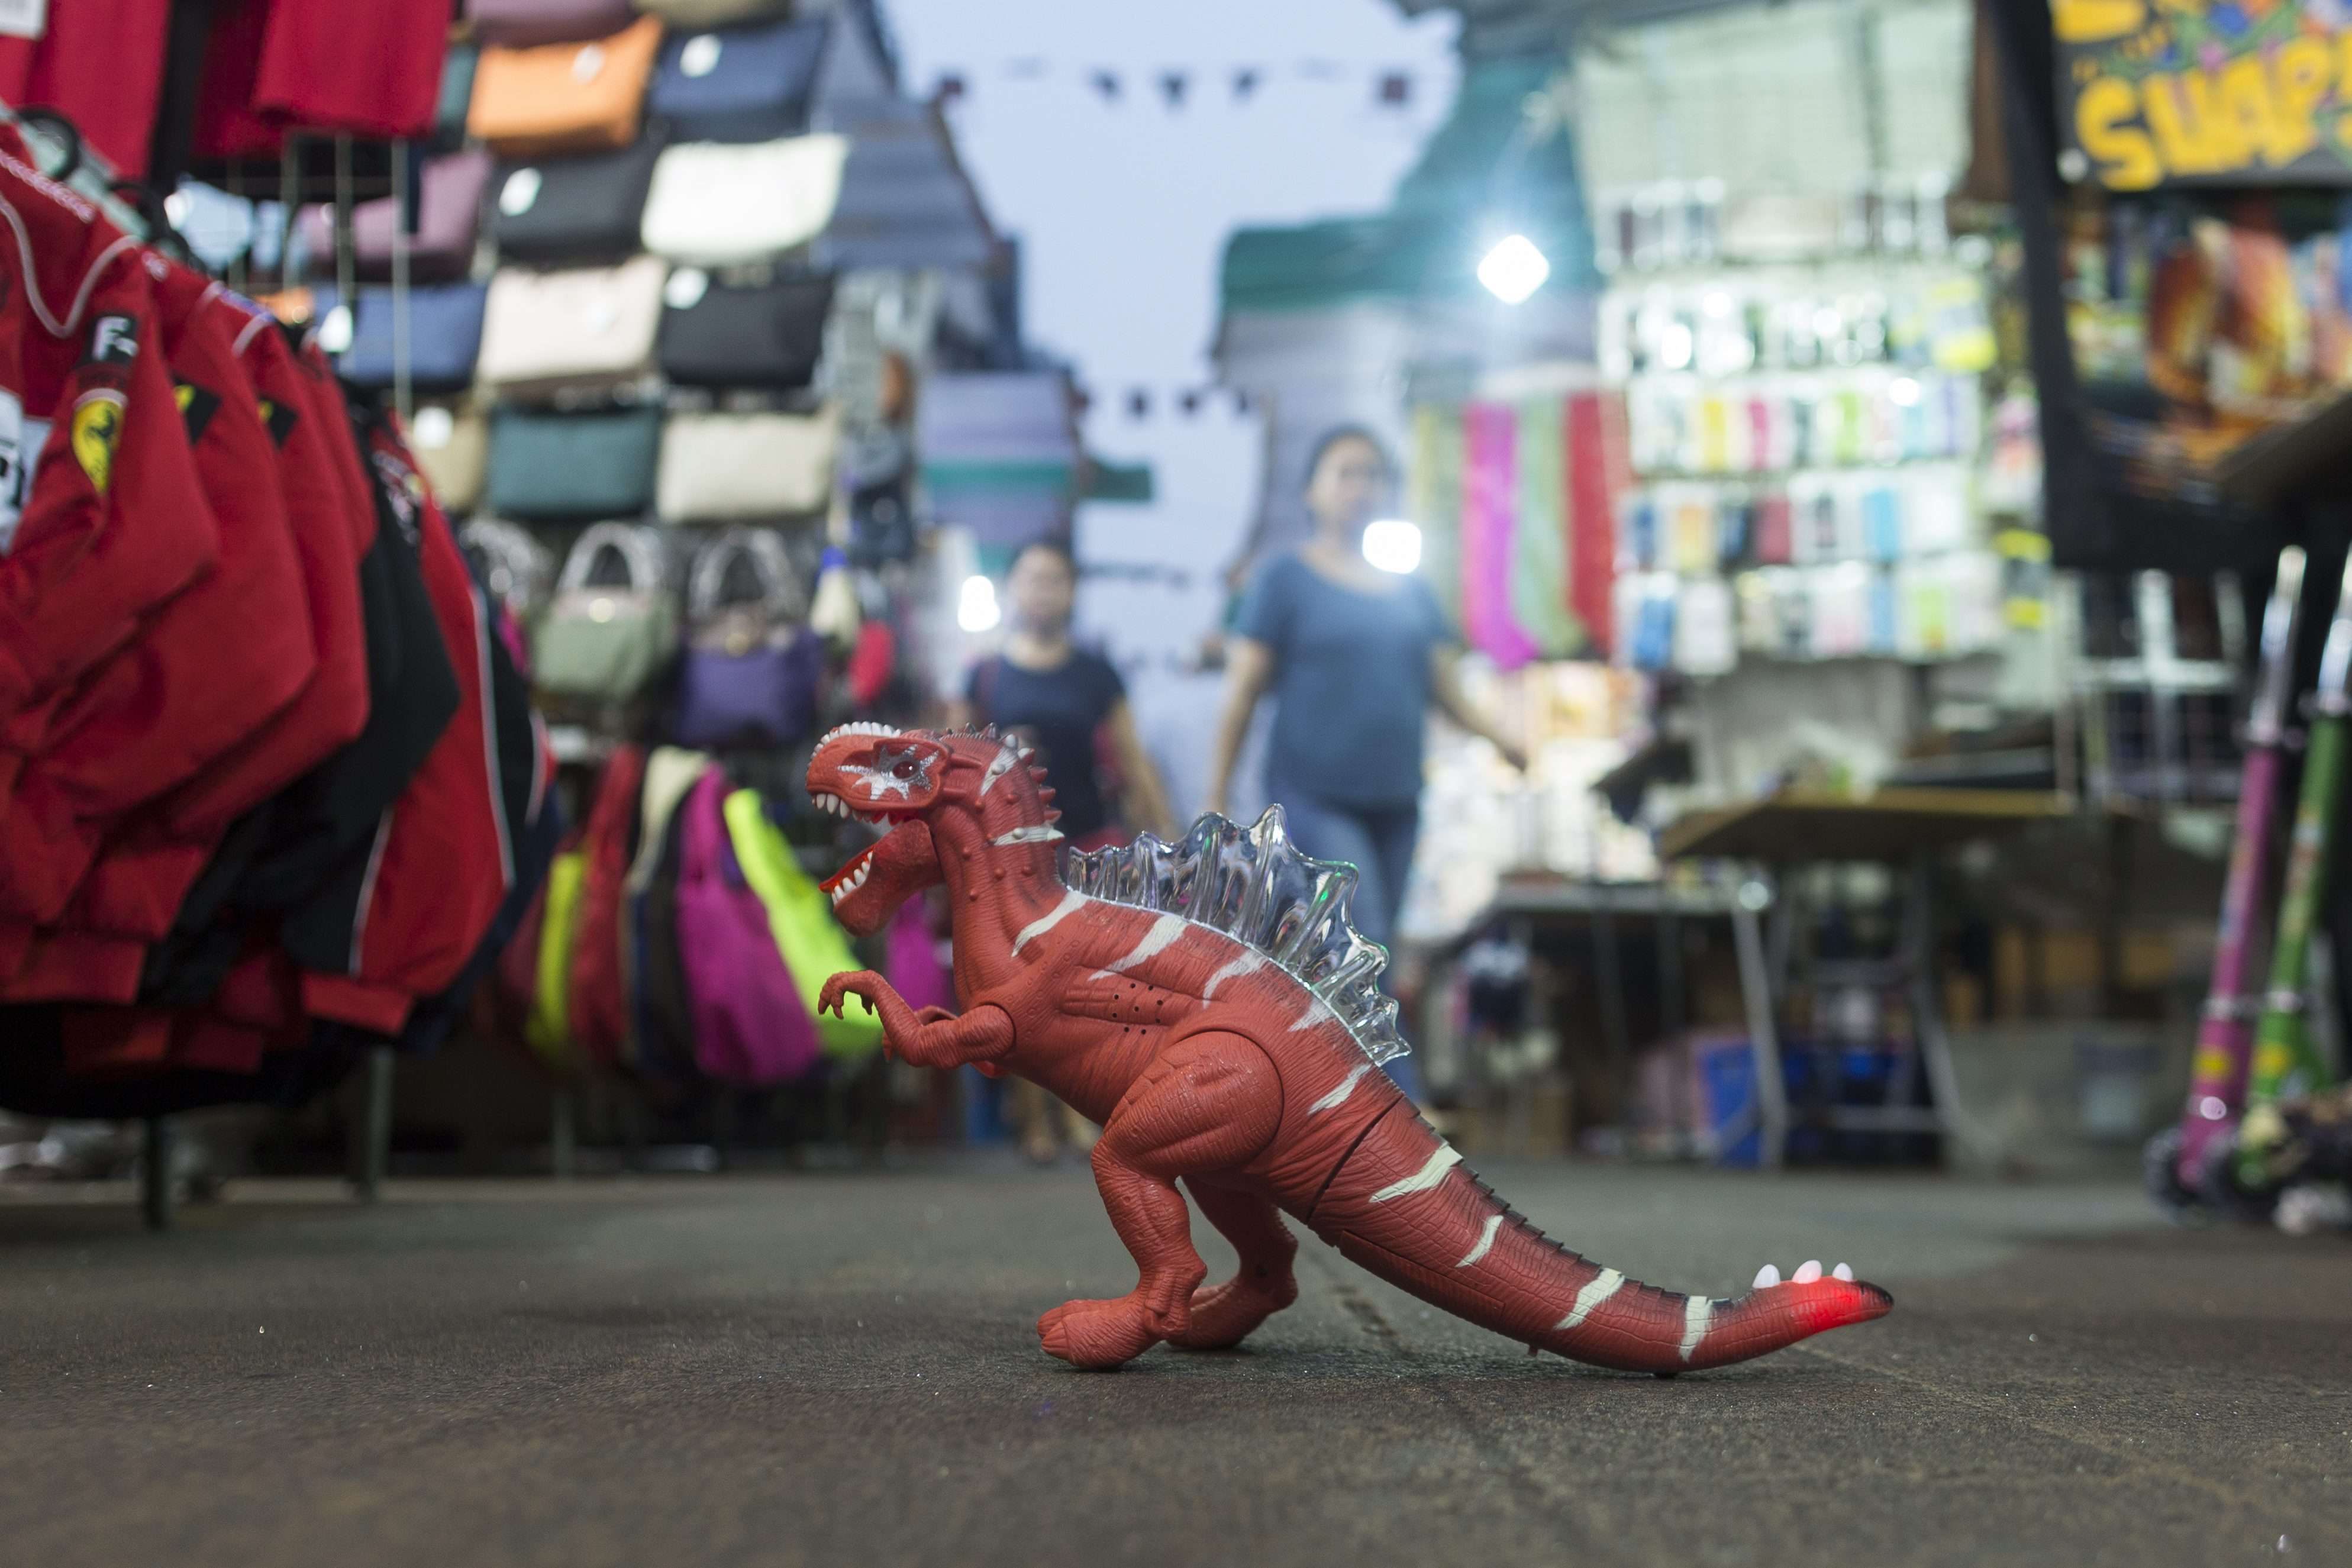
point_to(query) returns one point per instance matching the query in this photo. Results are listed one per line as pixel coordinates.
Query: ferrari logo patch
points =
(278, 418)
(197, 408)
(97, 430)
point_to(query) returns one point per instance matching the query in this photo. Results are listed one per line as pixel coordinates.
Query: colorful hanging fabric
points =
(1539, 564)
(1596, 473)
(1489, 499)
(1433, 500)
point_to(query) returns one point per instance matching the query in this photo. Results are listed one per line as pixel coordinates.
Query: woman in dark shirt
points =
(1061, 699)
(1354, 657)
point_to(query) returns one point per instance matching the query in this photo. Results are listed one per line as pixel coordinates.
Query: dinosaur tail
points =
(1403, 1206)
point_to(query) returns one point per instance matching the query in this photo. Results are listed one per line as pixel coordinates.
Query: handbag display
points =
(713, 205)
(520, 24)
(727, 467)
(711, 12)
(564, 98)
(597, 1011)
(548, 467)
(548, 1028)
(614, 626)
(515, 568)
(748, 83)
(588, 207)
(767, 334)
(449, 220)
(751, 677)
(585, 329)
(445, 337)
(811, 940)
(452, 452)
(753, 1023)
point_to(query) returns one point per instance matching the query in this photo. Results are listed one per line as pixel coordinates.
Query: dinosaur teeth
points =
(1842, 1271)
(1767, 1276)
(1807, 1272)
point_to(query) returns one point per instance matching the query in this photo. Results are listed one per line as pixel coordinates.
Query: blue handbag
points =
(752, 678)
(445, 336)
(750, 83)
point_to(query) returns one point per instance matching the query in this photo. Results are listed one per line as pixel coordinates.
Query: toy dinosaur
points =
(1210, 1006)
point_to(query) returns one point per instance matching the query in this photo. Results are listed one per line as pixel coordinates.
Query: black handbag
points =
(766, 334)
(550, 467)
(584, 208)
(746, 83)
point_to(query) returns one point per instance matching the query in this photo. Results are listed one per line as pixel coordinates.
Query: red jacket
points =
(142, 876)
(402, 922)
(205, 672)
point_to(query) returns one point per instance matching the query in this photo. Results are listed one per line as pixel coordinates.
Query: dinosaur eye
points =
(905, 769)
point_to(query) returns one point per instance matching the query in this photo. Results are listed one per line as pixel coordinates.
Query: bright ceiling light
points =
(1514, 269)
(976, 608)
(1393, 545)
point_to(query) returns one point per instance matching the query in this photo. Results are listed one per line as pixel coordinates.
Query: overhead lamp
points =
(1393, 545)
(1514, 269)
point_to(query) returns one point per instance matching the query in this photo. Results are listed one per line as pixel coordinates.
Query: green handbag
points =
(613, 625)
(548, 1030)
(550, 467)
(814, 945)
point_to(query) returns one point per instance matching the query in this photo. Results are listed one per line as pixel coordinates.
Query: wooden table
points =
(1902, 828)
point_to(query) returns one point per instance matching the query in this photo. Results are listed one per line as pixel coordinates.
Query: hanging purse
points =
(768, 334)
(445, 336)
(448, 221)
(587, 329)
(564, 98)
(746, 83)
(559, 211)
(751, 677)
(452, 444)
(718, 205)
(548, 466)
(521, 23)
(811, 940)
(753, 1022)
(517, 569)
(614, 626)
(729, 468)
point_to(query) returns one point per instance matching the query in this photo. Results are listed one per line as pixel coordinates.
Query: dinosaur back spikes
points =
(1253, 885)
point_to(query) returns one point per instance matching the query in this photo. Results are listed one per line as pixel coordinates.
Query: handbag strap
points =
(518, 565)
(780, 594)
(639, 551)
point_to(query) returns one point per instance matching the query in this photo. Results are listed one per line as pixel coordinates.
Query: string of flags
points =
(1186, 402)
(1179, 85)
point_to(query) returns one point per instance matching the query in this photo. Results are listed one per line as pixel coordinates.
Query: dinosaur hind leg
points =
(1224, 1315)
(1210, 1102)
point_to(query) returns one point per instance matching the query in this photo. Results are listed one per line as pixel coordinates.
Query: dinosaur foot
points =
(1100, 1335)
(1222, 1316)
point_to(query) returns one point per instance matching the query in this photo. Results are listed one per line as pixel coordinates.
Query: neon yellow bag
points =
(548, 1030)
(814, 945)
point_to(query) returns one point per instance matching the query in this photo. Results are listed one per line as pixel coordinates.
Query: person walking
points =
(1354, 657)
(1071, 707)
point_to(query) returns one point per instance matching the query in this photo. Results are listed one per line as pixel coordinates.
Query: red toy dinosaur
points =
(1210, 1004)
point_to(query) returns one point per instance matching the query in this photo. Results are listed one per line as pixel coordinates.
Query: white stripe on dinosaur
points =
(1597, 1290)
(999, 765)
(1240, 966)
(1048, 921)
(1159, 939)
(1695, 1316)
(1037, 833)
(1486, 1242)
(1347, 1086)
(1420, 1180)
(1316, 1014)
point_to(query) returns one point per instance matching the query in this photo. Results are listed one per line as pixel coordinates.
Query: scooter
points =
(2181, 1162)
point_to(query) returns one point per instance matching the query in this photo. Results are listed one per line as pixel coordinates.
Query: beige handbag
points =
(582, 329)
(452, 443)
(726, 468)
(714, 204)
(710, 13)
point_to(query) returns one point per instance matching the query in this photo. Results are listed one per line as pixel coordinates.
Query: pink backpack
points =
(749, 1026)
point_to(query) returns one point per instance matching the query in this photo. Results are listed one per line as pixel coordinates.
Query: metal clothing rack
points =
(94, 178)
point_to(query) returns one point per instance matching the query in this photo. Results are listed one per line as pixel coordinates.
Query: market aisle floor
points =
(842, 1370)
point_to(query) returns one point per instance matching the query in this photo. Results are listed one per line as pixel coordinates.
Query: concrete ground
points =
(842, 1370)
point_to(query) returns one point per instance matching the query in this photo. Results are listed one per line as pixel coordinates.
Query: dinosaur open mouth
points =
(850, 877)
(828, 801)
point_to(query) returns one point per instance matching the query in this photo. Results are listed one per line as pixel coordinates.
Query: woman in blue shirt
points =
(1354, 657)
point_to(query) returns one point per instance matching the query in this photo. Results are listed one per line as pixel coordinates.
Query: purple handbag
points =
(750, 1026)
(449, 217)
(524, 24)
(750, 678)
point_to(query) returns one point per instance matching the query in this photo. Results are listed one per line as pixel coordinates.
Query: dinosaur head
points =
(887, 778)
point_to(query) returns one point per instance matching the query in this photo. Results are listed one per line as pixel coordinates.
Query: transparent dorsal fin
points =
(1253, 885)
